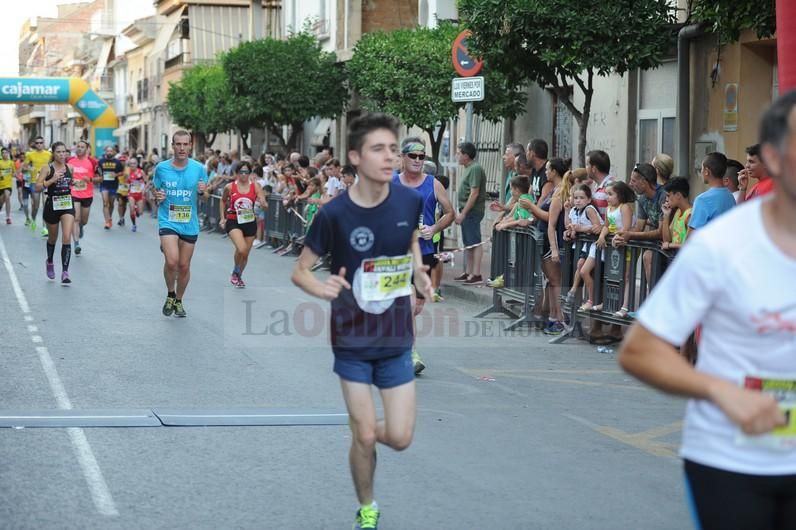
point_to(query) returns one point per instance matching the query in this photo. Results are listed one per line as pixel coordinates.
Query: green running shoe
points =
(168, 307)
(367, 517)
(33, 226)
(417, 362)
(179, 310)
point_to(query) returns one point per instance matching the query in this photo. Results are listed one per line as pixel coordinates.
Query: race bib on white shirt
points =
(379, 281)
(783, 388)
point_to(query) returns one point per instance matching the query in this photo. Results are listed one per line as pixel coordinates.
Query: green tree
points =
(564, 43)
(285, 82)
(199, 102)
(727, 18)
(407, 73)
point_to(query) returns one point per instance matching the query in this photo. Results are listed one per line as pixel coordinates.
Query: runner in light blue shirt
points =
(179, 182)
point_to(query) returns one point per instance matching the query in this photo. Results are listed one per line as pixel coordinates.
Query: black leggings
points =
(724, 500)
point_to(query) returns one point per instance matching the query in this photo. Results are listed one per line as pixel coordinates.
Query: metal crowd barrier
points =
(208, 213)
(517, 256)
(609, 281)
(282, 224)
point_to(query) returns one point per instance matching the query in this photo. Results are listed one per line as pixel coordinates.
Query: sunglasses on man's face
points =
(416, 156)
(245, 172)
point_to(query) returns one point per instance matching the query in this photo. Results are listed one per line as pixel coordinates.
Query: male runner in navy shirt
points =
(371, 232)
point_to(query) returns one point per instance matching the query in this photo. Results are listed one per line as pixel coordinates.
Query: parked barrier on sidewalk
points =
(517, 257)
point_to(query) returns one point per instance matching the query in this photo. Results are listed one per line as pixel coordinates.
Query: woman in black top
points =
(56, 178)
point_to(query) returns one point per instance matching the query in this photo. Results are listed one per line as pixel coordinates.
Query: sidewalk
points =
(479, 294)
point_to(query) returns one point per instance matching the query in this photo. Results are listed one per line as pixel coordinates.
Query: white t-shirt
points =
(334, 186)
(742, 289)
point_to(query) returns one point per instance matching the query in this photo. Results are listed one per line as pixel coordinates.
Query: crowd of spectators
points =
(650, 205)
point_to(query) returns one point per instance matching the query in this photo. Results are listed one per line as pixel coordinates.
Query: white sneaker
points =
(257, 242)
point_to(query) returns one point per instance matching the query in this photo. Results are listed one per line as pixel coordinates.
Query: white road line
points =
(36, 338)
(100, 494)
(32, 328)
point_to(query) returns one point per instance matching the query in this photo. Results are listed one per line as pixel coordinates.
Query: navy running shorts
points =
(384, 373)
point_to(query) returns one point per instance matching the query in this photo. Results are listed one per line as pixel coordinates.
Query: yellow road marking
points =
(645, 440)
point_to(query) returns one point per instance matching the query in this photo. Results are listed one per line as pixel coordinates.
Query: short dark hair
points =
(538, 147)
(56, 145)
(678, 185)
(753, 150)
(360, 127)
(716, 163)
(599, 159)
(624, 192)
(244, 163)
(647, 172)
(468, 148)
(774, 127)
(733, 167)
(348, 170)
(304, 161)
(558, 165)
(181, 132)
(522, 183)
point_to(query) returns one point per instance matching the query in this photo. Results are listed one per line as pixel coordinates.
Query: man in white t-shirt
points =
(739, 434)
(333, 183)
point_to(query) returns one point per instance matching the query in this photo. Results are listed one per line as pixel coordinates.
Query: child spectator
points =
(676, 213)
(618, 214)
(349, 175)
(717, 199)
(519, 216)
(757, 170)
(583, 218)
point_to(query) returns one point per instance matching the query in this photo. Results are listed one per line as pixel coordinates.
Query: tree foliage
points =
(407, 73)
(285, 82)
(727, 18)
(200, 102)
(564, 43)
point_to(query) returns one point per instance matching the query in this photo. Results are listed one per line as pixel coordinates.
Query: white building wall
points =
(608, 121)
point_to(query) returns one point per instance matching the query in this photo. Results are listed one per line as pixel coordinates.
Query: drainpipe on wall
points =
(686, 34)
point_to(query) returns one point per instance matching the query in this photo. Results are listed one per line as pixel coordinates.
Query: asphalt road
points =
(512, 432)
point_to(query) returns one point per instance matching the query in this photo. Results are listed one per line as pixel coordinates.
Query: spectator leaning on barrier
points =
(598, 165)
(550, 216)
(511, 159)
(738, 433)
(537, 160)
(734, 169)
(651, 196)
(664, 167)
(717, 199)
(755, 168)
(472, 200)
(676, 213)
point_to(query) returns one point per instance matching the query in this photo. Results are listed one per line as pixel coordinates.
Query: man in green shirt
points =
(472, 203)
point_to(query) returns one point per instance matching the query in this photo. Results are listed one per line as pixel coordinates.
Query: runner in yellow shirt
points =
(35, 159)
(7, 170)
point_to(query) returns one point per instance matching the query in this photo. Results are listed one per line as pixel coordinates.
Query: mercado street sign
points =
(467, 89)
